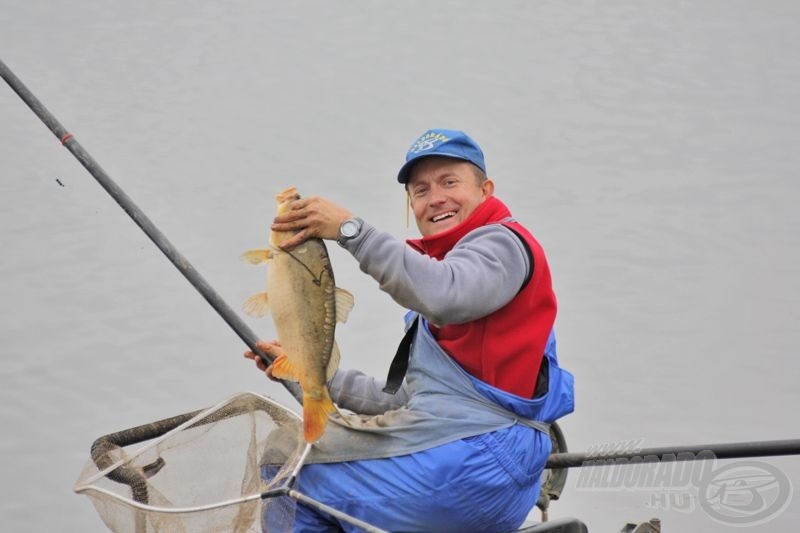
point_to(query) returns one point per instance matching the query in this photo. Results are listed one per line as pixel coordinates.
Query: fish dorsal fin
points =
(344, 304)
(257, 257)
(257, 305)
(333, 363)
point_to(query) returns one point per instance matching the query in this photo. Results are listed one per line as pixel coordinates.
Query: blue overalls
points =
(485, 476)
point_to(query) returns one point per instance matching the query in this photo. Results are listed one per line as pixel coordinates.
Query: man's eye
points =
(419, 192)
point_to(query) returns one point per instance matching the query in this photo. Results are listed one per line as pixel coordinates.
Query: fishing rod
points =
(159, 239)
(731, 450)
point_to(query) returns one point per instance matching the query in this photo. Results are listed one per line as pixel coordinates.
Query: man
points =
(462, 444)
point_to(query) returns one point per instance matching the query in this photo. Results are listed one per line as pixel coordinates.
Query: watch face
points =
(349, 229)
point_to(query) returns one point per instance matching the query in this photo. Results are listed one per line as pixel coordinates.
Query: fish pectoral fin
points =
(257, 305)
(282, 368)
(333, 363)
(256, 257)
(344, 304)
(315, 414)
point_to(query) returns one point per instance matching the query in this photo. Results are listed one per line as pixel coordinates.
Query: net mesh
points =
(197, 472)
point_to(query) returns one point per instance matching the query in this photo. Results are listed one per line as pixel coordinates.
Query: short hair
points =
(480, 174)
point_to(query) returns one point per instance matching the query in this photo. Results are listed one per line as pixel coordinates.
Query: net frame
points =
(111, 462)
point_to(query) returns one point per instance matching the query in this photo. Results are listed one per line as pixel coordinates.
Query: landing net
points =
(200, 472)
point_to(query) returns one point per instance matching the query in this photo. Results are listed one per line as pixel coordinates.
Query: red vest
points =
(505, 348)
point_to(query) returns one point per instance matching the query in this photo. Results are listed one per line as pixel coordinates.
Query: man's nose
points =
(437, 196)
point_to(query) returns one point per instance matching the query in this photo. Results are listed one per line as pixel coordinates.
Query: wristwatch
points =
(349, 229)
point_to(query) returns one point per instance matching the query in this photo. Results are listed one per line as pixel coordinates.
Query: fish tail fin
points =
(256, 257)
(315, 415)
(257, 305)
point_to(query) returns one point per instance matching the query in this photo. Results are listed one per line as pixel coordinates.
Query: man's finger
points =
(264, 345)
(283, 226)
(294, 241)
(290, 216)
(268, 372)
(297, 211)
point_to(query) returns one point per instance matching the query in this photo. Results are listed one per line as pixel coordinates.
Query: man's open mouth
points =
(443, 216)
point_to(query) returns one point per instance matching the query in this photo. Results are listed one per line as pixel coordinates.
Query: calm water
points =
(651, 146)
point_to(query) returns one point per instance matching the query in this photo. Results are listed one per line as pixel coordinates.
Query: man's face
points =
(444, 192)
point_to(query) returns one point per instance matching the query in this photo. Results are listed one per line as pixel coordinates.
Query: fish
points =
(305, 305)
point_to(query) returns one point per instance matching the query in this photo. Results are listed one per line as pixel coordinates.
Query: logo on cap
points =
(427, 141)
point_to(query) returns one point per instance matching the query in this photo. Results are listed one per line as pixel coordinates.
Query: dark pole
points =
(138, 216)
(733, 450)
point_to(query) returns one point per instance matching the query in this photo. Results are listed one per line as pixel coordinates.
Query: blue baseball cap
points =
(444, 143)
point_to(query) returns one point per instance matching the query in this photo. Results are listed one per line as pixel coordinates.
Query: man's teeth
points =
(449, 214)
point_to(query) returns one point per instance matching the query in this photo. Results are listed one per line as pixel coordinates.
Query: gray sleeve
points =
(481, 274)
(364, 394)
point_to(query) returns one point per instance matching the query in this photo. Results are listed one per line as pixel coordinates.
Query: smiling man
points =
(456, 437)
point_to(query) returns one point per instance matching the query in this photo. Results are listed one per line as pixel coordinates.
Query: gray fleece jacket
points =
(481, 274)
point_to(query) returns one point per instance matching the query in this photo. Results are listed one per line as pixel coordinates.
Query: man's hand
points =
(273, 349)
(313, 217)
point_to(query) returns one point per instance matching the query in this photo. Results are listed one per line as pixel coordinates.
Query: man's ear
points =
(487, 187)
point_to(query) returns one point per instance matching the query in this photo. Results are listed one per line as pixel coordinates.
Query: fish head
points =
(283, 199)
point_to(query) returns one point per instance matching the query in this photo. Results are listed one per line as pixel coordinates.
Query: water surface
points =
(650, 146)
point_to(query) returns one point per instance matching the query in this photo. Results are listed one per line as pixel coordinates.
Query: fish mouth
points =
(442, 216)
(287, 195)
